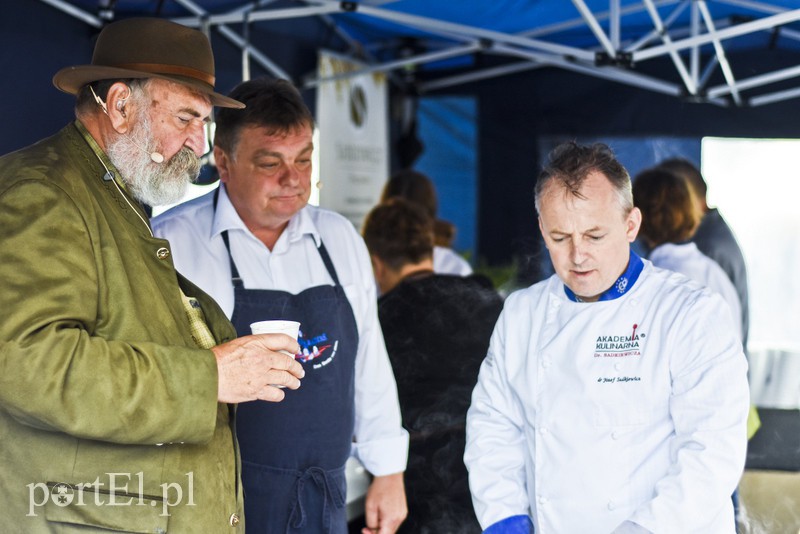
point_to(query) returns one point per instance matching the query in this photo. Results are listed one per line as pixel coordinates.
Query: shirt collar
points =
(624, 283)
(226, 218)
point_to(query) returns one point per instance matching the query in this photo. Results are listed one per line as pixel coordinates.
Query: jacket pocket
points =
(122, 512)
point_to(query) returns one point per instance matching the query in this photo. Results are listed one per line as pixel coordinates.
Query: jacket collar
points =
(111, 171)
(623, 284)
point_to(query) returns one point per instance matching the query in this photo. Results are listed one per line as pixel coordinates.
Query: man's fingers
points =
(271, 394)
(276, 377)
(285, 344)
(251, 368)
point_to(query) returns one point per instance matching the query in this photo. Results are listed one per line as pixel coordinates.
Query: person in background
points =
(670, 216)
(437, 330)
(714, 237)
(614, 396)
(117, 372)
(263, 253)
(418, 188)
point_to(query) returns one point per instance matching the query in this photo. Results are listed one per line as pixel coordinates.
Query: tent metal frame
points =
(610, 58)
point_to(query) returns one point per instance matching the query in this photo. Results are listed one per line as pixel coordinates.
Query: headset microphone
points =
(156, 157)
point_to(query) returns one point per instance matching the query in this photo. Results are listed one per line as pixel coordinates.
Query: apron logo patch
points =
(314, 347)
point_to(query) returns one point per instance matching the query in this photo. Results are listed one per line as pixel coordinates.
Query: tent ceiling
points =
(684, 48)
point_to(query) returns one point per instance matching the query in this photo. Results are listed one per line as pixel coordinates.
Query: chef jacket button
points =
(542, 500)
(234, 520)
(544, 431)
(615, 435)
(162, 253)
(611, 505)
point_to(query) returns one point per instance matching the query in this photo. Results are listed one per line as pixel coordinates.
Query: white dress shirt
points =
(446, 261)
(588, 415)
(687, 259)
(294, 264)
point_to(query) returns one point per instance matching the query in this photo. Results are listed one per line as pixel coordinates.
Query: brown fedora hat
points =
(148, 48)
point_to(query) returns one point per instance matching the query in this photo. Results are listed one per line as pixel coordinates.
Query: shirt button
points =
(162, 253)
(542, 500)
(615, 435)
(234, 520)
(546, 363)
(544, 431)
(611, 506)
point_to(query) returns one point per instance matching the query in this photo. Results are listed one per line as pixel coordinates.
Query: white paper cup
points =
(279, 326)
(290, 328)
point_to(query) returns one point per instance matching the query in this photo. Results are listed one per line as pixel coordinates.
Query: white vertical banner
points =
(352, 117)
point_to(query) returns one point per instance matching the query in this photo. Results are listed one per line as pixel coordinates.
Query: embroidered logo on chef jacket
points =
(620, 345)
(315, 347)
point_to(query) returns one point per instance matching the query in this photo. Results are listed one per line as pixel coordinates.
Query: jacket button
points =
(162, 253)
(234, 520)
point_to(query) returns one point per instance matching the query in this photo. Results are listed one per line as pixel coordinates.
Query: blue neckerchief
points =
(621, 286)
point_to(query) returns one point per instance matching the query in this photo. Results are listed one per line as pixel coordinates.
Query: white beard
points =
(154, 184)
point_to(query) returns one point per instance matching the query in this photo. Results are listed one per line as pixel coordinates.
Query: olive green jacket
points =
(108, 410)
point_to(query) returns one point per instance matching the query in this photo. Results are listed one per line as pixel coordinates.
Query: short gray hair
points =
(570, 164)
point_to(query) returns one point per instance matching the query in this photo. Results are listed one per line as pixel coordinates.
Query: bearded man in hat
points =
(117, 373)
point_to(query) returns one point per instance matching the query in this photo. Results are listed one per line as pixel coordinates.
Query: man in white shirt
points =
(614, 395)
(263, 253)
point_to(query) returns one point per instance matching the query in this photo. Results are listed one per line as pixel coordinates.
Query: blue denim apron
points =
(294, 451)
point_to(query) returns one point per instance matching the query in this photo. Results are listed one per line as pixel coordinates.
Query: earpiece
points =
(119, 105)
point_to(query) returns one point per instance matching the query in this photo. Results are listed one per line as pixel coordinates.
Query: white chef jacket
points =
(686, 258)
(294, 264)
(588, 415)
(446, 261)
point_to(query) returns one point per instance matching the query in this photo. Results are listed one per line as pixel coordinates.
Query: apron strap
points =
(330, 494)
(235, 278)
(326, 259)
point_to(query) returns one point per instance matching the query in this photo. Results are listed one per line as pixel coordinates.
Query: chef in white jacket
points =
(614, 395)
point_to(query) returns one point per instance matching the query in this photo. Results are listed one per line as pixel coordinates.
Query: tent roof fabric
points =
(683, 48)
